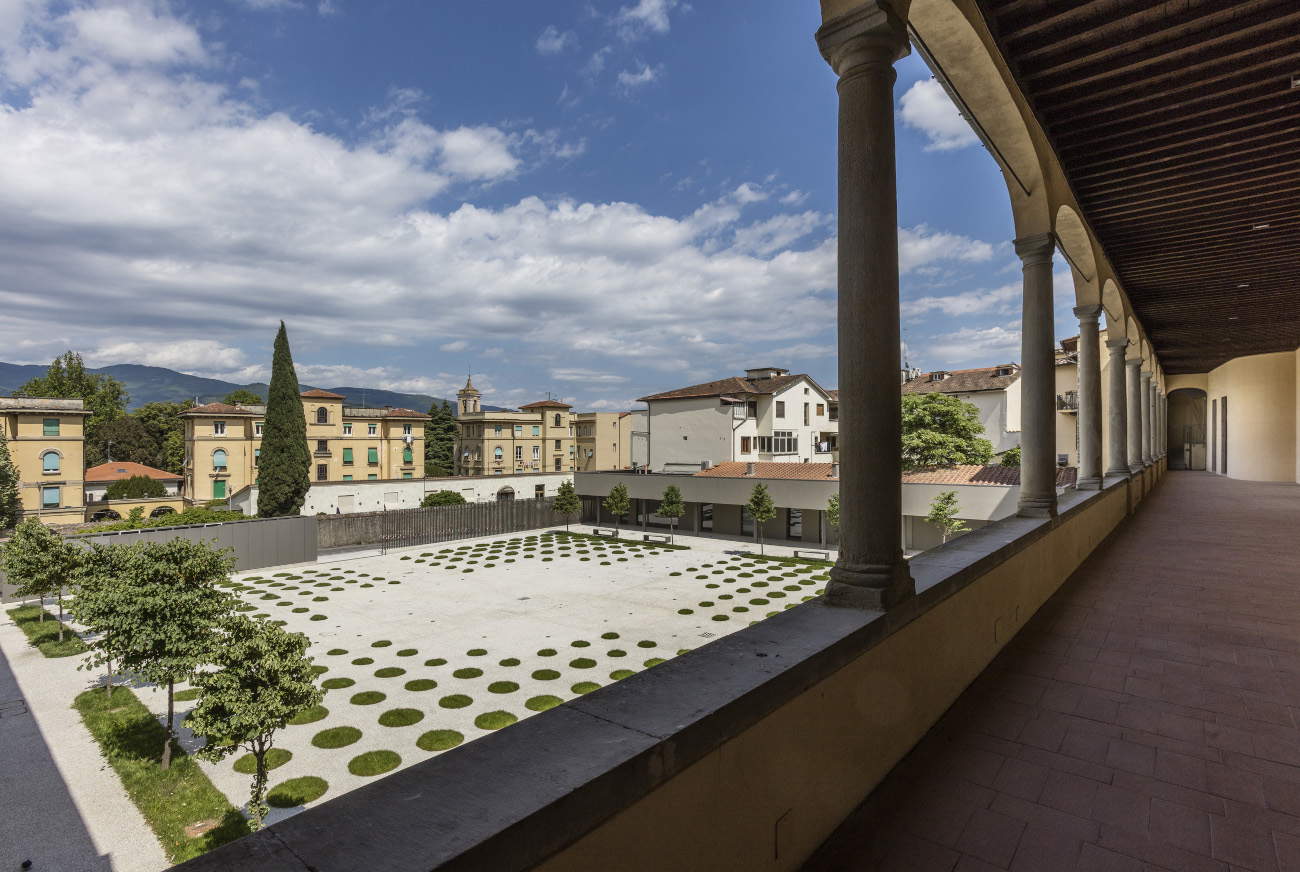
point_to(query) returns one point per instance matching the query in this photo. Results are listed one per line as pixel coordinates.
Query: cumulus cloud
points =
(190, 355)
(922, 245)
(588, 376)
(553, 41)
(643, 18)
(926, 107)
(629, 79)
(1003, 299)
(975, 346)
(456, 345)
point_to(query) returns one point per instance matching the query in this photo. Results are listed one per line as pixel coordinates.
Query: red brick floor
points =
(1145, 719)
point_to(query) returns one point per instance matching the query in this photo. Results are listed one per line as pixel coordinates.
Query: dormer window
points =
(938, 376)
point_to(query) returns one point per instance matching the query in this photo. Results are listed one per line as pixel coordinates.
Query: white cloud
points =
(135, 35)
(628, 80)
(191, 356)
(623, 404)
(588, 376)
(553, 41)
(643, 18)
(1005, 299)
(793, 198)
(926, 107)
(457, 345)
(778, 232)
(477, 153)
(975, 346)
(595, 65)
(920, 245)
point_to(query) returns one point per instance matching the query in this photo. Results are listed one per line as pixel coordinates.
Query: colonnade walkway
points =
(1146, 718)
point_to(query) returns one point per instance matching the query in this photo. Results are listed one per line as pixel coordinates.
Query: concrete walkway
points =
(62, 807)
(1145, 719)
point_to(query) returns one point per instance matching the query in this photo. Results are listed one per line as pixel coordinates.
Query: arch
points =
(162, 510)
(51, 461)
(506, 494)
(497, 453)
(1135, 337)
(1186, 427)
(322, 415)
(1113, 302)
(1075, 242)
(558, 419)
(220, 459)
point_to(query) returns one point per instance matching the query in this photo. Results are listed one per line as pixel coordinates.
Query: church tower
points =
(467, 398)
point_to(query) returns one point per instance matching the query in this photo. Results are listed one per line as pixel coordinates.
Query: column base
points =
(870, 586)
(1122, 472)
(1135, 468)
(1037, 507)
(1090, 483)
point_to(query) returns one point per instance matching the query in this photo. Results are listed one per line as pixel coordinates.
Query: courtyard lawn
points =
(423, 649)
(44, 634)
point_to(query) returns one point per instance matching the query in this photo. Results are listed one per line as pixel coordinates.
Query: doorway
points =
(1187, 429)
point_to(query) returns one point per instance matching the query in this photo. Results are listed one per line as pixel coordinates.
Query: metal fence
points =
(405, 527)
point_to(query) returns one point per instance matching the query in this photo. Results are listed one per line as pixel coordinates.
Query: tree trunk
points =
(42, 603)
(167, 741)
(60, 614)
(259, 785)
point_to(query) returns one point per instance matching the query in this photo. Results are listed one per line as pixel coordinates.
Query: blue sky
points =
(597, 199)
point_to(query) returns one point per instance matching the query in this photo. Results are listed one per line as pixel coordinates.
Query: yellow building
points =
(223, 444)
(604, 440)
(46, 442)
(537, 438)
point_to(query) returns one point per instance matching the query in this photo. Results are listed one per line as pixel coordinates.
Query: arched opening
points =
(1186, 426)
(162, 510)
(557, 419)
(219, 459)
(322, 415)
(51, 462)
(505, 495)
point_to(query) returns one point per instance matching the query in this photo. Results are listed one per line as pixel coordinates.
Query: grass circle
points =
(296, 791)
(494, 720)
(545, 675)
(455, 701)
(439, 740)
(276, 757)
(389, 672)
(476, 652)
(503, 687)
(609, 635)
(363, 661)
(467, 672)
(407, 652)
(382, 643)
(620, 674)
(421, 684)
(336, 737)
(400, 717)
(542, 703)
(367, 697)
(310, 715)
(582, 663)
(585, 687)
(374, 763)
(337, 683)
(436, 661)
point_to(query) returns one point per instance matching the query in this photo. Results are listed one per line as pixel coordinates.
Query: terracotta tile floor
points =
(1145, 719)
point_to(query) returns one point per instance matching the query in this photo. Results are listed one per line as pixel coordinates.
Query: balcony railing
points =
(1067, 402)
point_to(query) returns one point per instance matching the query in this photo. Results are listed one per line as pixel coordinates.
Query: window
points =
(519, 429)
(347, 456)
(322, 415)
(746, 445)
(539, 491)
(219, 489)
(746, 522)
(497, 453)
(835, 412)
(408, 475)
(557, 464)
(821, 409)
(219, 460)
(406, 429)
(519, 452)
(347, 429)
(347, 478)
(407, 455)
(257, 456)
(372, 429)
(50, 462)
(497, 429)
(537, 429)
(372, 476)
(557, 444)
(218, 428)
(784, 442)
(557, 420)
(50, 427)
(372, 455)
(322, 446)
(706, 517)
(537, 452)
(780, 408)
(751, 409)
(805, 414)
(322, 472)
(794, 524)
(50, 497)
(257, 429)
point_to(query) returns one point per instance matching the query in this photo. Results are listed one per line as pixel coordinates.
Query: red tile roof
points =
(546, 404)
(791, 471)
(732, 385)
(219, 409)
(1005, 476)
(317, 393)
(405, 413)
(116, 471)
(963, 381)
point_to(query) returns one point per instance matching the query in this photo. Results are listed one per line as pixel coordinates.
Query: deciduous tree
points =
(134, 488)
(104, 397)
(567, 502)
(262, 679)
(618, 503)
(98, 607)
(1010, 457)
(761, 509)
(283, 475)
(163, 422)
(242, 396)
(671, 507)
(40, 563)
(943, 514)
(442, 498)
(11, 505)
(942, 430)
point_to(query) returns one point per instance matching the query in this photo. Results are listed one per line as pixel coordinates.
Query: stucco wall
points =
(1261, 392)
(689, 431)
(370, 496)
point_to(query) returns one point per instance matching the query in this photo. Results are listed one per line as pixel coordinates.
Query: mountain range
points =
(151, 384)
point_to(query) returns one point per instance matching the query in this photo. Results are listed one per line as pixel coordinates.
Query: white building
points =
(768, 415)
(994, 390)
(346, 497)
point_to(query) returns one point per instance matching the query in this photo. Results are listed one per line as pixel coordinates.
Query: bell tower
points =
(467, 397)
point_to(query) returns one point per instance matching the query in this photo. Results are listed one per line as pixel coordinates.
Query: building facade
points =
(349, 497)
(223, 444)
(993, 390)
(604, 440)
(768, 415)
(539, 437)
(47, 446)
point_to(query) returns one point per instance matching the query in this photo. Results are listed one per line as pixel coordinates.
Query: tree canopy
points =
(283, 475)
(244, 396)
(943, 514)
(127, 438)
(442, 498)
(39, 562)
(671, 506)
(566, 501)
(163, 423)
(762, 509)
(11, 505)
(942, 430)
(104, 397)
(618, 503)
(135, 487)
(439, 440)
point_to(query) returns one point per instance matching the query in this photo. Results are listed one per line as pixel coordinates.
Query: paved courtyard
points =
(426, 648)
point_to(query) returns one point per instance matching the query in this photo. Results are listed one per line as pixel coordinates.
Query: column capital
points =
(1133, 363)
(1146, 375)
(1036, 248)
(1088, 314)
(1117, 344)
(873, 33)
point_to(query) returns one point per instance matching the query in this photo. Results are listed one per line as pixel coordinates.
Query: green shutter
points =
(372, 455)
(407, 456)
(347, 455)
(50, 426)
(372, 476)
(347, 478)
(218, 490)
(408, 475)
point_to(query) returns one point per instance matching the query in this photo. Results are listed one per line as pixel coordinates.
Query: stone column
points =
(1133, 391)
(1037, 379)
(1117, 461)
(1164, 424)
(1089, 417)
(862, 46)
(1146, 417)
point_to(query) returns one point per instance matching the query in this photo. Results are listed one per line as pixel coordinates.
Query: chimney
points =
(706, 464)
(749, 468)
(835, 469)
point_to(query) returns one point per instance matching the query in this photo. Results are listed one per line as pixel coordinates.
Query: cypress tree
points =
(11, 507)
(284, 472)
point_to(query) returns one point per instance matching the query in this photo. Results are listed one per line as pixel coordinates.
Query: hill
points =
(151, 384)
